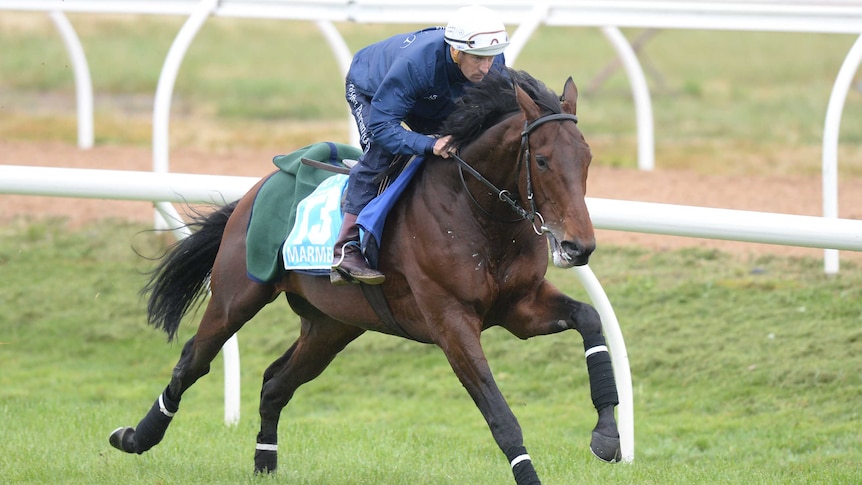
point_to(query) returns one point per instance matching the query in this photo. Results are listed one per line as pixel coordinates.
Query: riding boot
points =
(348, 263)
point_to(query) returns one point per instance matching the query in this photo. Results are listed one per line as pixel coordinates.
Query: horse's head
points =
(554, 180)
(525, 138)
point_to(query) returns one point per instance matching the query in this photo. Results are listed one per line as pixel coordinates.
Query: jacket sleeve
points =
(390, 105)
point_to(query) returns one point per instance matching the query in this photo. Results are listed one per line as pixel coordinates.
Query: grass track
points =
(745, 371)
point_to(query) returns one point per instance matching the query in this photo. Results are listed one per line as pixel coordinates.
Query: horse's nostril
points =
(578, 251)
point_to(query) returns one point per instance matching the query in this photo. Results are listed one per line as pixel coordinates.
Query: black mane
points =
(488, 102)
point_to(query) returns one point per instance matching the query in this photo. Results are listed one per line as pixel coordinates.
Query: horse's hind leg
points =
(220, 321)
(320, 340)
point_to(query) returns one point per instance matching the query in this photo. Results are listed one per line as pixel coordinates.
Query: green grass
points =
(745, 370)
(724, 102)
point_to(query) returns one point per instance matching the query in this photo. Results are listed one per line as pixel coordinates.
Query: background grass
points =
(724, 102)
(745, 371)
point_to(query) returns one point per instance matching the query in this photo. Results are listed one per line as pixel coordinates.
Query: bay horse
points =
(457, 258)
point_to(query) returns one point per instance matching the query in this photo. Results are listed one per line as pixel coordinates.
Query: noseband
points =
(523, 156)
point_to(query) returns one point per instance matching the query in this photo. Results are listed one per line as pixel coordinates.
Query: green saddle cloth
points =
(274, 209)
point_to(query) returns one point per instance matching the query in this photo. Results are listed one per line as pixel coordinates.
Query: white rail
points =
(620, 215)
(826, 16)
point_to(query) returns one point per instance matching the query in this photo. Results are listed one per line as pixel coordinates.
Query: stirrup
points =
(337, 264)
(360, 273)
(340, 278)
(372, 279)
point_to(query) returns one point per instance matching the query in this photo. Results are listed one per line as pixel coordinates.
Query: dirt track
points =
(784, 194)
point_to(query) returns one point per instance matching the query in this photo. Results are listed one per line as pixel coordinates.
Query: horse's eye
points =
(541, 162)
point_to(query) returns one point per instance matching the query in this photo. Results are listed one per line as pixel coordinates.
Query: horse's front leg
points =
(463, 349)
(549, 311)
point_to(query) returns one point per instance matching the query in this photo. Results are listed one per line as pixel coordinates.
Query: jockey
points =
(410, 79)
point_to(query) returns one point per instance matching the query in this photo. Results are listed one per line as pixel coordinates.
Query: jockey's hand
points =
(440, 148)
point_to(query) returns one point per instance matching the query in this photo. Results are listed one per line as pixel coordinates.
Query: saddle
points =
(296, 216)
(274, 211)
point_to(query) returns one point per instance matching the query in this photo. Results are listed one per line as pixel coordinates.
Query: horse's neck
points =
(453, 217)
(499, 165)
(448, 188)
(437, 219)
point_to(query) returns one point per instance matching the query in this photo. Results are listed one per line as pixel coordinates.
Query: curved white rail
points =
(83, 82)
(167, 79)
(527, 25)
(343, 56)
(619, 359)
(230, 349)
(640, 92)
(831, 130)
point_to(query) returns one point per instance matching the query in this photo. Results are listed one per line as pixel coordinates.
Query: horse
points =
(460, 255)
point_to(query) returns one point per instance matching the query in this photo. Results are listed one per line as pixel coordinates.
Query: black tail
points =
(180, 280)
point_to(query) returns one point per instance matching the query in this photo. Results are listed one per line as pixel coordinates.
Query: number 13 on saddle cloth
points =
(297, 213)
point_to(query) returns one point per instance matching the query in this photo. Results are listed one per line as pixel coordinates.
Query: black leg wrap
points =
(522, 466)
(603, 386)
(151, 429)
(605, 443)
(265, 454)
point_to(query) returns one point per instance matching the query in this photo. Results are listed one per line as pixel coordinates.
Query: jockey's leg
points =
(348, 263)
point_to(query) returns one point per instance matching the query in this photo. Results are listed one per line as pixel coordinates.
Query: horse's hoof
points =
(606, 448)
(265, 462)
(123, 439)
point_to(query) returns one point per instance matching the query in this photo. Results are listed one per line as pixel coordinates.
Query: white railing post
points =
(526, 27)
(343, 57)
(83, 82)
(640, 92)
(167, 79)
(619, 359)
(831, 130)
(230, 353)
(230, 349)
(165, 89)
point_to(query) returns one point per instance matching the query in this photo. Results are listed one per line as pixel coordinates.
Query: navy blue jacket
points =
(410, 78)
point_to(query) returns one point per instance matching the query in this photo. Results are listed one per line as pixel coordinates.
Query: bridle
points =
(523, 157)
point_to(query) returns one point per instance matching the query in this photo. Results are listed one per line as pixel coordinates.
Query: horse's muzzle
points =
(567, 254)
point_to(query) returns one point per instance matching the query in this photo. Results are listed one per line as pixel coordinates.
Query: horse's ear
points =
(528, 106)
(570, 97)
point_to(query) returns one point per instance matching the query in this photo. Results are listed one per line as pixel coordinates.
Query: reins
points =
(523, 155)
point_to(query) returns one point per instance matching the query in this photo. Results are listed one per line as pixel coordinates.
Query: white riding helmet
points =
(477, 30)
